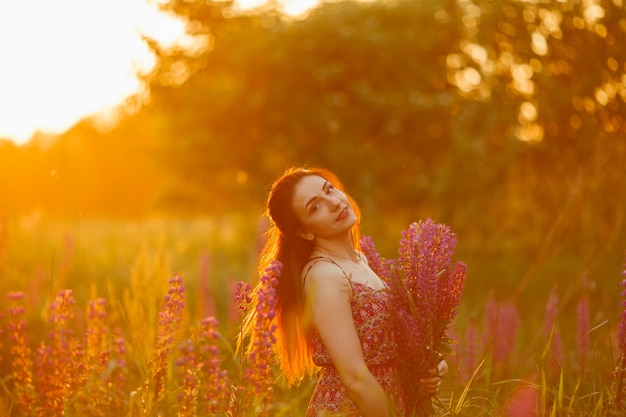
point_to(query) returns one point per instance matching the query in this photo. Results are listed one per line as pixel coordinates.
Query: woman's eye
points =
(330, 189)
(315, 206)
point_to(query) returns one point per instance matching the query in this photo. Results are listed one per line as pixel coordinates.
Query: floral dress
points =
(371, 310)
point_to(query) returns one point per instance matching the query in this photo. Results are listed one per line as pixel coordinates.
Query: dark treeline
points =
(503, 119)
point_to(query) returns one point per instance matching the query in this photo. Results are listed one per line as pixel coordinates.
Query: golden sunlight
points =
(67, 59)
(294, 8)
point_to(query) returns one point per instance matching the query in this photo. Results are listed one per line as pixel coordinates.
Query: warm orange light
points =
(290, 7)
(67, 59)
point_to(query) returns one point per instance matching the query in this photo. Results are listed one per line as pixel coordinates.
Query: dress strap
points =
(317, 259)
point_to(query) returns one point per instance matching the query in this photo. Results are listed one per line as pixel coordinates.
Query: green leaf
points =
(447, 340)
(443, 348)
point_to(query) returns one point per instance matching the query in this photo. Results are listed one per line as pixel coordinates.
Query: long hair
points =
(283, 243)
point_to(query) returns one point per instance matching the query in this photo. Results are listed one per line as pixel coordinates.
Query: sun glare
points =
(66, 59)
(289, 7)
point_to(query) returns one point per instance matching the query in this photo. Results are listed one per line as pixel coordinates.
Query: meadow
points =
(105, 317)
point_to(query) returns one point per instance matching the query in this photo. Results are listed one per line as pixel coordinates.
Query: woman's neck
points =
(339, 250)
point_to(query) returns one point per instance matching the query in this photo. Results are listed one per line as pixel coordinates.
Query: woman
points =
(333, 311)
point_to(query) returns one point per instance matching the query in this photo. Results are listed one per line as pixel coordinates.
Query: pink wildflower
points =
(60, 368)
(215, 393)
(583, 326)
(205, 387)
(116, 376)
(375, 261)
(103, 360)
(621, 334)
(523, 402)
(242, 303)
(618, 389)
(260, 375)
(21, 356)
(506, 332)
(490, 326)
(170, 317)
(470, 357)
(242, 296)
(189, 384)
(96, 353)
(501, 325)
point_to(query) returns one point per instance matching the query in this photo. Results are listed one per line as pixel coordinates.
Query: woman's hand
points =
(431, 385)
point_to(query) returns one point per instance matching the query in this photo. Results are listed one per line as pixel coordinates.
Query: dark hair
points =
(283, 243)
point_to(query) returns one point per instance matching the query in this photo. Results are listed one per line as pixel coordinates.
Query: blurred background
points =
(503, 119)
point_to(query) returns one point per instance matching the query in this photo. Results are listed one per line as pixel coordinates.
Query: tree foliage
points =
(503, 119)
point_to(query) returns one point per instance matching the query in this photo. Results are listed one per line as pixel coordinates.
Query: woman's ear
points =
(306, 235)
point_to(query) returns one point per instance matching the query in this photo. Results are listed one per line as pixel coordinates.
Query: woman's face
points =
(323, 210)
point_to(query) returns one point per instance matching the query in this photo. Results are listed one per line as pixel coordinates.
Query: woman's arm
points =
(328, 296)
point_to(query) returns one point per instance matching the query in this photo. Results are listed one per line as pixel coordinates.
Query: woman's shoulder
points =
(324, 271)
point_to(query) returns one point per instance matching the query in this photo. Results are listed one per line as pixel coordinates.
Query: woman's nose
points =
(334, 203)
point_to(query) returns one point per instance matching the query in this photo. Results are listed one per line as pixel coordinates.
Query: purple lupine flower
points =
(60, 307)
(426, 253)
(427, 295)
(618, 389)
(420, 275)
(189, 368)
(242, 296)
(506, 331)
(583, 326)
(118, 377)
(451, 289)
(408, 334)
(375, 261)
(523, 402)
(61, 358)
(621, 334)
(470, 358)
(215, 392)
(170, 315)
(21, 355)
(169, 319)
(261, 355)
(96, 353)
(15, 296)
(490, 326)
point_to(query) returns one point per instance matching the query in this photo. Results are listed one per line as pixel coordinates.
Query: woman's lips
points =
(343, 214)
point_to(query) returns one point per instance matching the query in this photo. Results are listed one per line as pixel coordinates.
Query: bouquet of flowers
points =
(427, 289)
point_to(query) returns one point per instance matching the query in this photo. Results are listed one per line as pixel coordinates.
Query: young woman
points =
(333, 311)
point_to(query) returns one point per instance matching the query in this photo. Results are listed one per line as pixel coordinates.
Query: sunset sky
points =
(66, 59)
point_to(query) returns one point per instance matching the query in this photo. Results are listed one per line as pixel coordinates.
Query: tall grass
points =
(106, 318)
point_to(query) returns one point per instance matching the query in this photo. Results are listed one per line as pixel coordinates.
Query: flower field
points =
(120, 318)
